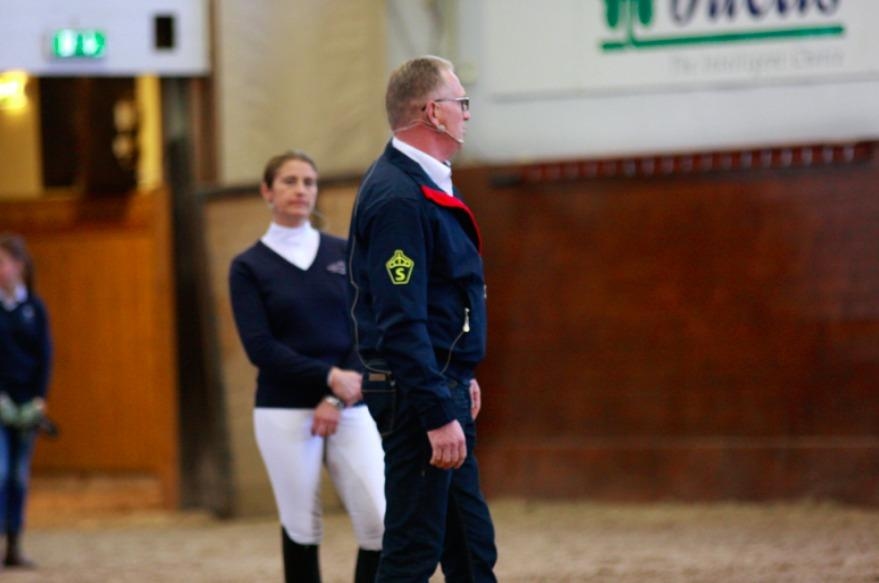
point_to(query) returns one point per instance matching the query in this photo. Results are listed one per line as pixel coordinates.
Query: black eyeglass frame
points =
(464, 102)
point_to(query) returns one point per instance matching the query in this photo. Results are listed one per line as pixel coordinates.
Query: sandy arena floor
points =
(551, 542)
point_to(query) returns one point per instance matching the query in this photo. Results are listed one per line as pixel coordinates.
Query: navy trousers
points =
(434, 516)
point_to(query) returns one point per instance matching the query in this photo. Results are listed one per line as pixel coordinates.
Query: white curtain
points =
(306, 74)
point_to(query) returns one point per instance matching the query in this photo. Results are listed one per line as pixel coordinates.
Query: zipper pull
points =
(466, 319)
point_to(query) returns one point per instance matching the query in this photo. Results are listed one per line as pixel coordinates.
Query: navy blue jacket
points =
(293, 323)
(25, 350)
(419, 289)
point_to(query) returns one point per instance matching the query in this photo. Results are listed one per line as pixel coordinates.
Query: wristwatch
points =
(335, 402)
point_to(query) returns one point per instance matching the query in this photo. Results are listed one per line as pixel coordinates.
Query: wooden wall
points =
(104, 271)
(693, 336)
(696, 335)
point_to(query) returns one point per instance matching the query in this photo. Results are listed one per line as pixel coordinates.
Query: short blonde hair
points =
(411, 85)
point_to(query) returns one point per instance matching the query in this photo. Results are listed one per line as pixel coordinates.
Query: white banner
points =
(570, 47)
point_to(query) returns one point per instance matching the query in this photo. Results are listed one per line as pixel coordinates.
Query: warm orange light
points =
(12, 90)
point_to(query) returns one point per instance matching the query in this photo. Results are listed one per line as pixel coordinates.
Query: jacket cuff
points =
(437, 415)
(325, 372)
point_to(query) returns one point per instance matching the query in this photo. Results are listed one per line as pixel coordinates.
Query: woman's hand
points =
(346, 384)
(326, 420)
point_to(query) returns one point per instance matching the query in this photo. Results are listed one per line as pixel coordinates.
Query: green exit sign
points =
(70, 43)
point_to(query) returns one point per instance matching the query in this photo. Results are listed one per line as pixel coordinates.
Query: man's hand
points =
(475, 399)
(326, 419)
(346, 384)
(449, 446)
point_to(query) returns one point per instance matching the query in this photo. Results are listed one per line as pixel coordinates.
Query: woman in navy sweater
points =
(290, 300)
(25, 355)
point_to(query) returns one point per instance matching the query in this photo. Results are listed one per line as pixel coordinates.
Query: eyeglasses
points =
(464, 102)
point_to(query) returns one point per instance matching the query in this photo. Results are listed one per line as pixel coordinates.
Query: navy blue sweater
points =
(294, 324)
(25, 350)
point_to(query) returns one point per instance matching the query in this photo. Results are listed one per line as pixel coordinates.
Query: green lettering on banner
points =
(627, 12)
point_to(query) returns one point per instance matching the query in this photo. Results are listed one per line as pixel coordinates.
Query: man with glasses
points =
(419, 312)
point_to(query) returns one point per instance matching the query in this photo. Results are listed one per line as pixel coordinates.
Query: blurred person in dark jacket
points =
(25, 362)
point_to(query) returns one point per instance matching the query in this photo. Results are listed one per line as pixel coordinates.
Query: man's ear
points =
(432, 116)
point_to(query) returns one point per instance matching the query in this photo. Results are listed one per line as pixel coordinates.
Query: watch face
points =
(335, 402)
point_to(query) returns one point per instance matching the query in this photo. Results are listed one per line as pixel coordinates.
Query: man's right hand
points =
(449, 446)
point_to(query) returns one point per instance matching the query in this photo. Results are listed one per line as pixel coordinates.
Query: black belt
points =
(381, 377)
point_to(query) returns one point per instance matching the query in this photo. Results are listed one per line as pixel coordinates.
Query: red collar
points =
(443, 199)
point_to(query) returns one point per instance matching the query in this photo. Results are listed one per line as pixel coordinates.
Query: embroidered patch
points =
(399, 268)
(337, 267)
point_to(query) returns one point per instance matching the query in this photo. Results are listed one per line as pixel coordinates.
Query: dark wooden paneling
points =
(695, 336)
(81, 130)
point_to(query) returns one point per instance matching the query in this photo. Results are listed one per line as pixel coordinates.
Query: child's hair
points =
(14, 245)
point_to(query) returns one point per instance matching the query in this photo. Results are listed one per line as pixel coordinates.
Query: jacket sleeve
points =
(263, 350)
(398, 256)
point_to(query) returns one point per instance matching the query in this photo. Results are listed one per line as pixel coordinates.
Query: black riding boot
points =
(367, 566)
(300, 561)
(14, 556)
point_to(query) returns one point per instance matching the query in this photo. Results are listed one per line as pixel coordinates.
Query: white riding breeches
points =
(354, 459)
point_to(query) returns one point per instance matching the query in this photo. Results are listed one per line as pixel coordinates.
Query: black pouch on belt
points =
(380, 396)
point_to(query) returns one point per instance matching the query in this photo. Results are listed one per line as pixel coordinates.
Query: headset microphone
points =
(442, 129)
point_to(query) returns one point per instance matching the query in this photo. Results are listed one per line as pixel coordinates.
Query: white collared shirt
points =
(439, 172)
(19, 295)
(298, 245)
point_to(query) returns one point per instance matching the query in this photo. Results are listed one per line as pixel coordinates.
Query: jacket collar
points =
(409, 166)
(439, 172)
(439, 197)
(19, 296)
(435, 194)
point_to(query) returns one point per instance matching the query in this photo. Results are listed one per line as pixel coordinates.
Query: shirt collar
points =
(289, 235)
(19, 295)
(298, 245)
(439, 172)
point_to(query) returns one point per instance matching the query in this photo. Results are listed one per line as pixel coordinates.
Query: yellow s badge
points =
(399, 268)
